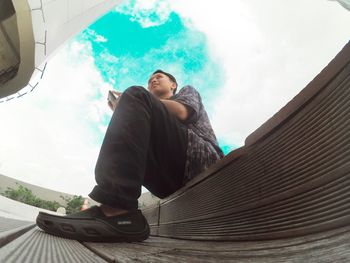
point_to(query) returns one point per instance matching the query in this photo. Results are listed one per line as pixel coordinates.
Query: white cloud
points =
(49, 137)
(269, 50)
(96, 37)
(146, 12)
(100, 38)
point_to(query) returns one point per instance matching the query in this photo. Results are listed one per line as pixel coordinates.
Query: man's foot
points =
(112, 211)
(93, 225)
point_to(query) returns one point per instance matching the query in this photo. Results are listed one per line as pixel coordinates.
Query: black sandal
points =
(92, 225)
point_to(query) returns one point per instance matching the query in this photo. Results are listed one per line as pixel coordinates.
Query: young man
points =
(155, 138)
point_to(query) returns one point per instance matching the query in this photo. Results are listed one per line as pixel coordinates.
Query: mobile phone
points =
(111, 96)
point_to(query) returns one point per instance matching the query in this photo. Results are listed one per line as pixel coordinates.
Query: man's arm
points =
(176, 108)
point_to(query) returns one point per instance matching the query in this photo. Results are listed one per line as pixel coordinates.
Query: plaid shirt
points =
(203, 149)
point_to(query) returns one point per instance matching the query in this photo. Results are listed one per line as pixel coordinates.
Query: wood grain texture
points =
(9, 224)
(329, 246)
(10, 229)
(39, 247)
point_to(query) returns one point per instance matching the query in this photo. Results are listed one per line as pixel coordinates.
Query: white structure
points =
(344, 3)
(32, 30)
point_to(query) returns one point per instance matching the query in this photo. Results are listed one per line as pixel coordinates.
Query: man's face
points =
(160, 85)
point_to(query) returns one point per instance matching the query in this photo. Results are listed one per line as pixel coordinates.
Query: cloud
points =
(183, 51)
(269, 51)
(52, 136)
(96, 37)
(148, 13)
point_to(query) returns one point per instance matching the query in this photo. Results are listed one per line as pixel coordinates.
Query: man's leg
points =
(144, 145)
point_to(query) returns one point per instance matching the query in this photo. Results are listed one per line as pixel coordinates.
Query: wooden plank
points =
(330, 246)
(125, 252)
(10, 229)
(9, 223)
(37, 246)
(307, 241)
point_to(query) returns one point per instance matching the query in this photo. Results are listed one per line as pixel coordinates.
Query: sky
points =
(246, 58)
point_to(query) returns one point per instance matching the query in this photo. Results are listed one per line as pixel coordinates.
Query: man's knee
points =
(136, 90)
(138, 93)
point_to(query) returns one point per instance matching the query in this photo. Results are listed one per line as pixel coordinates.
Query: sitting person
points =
(157, 139)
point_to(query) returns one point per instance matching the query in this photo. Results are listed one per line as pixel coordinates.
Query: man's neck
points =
(165, 96)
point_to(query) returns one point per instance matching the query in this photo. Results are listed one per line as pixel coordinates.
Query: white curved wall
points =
(344, 3)
(43, 26)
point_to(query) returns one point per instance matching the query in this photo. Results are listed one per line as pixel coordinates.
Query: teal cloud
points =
(126, 53)
(132, 52)
(127, 37)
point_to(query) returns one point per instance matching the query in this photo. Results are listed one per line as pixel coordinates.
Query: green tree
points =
(73, 204)
(25, 195)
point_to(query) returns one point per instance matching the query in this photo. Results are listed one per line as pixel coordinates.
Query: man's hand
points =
(176, 108)
(113, 103)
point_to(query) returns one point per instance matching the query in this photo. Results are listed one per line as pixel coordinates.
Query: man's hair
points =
(171, 77)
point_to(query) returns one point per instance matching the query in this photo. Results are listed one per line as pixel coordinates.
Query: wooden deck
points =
(30, 244)
(283, 197)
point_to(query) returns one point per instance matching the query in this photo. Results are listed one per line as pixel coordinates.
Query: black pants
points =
(144, 145)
